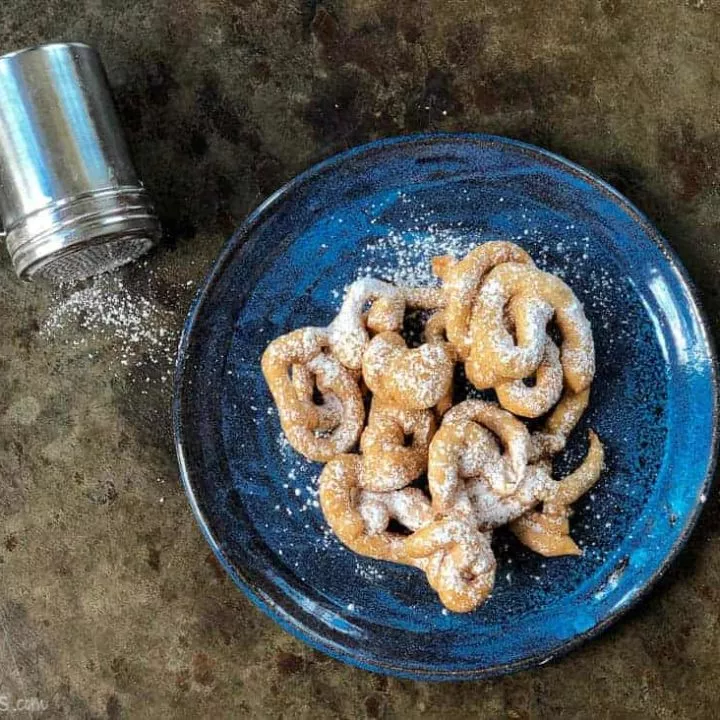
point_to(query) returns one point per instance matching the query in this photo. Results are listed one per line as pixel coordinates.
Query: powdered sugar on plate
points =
(405, 258)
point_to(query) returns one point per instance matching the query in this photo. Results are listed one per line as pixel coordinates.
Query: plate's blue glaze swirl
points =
(653, 402)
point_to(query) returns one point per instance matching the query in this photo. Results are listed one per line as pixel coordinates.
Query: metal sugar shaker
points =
(71, 202)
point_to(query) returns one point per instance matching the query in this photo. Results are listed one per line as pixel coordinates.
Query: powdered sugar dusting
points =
(106, 310)
(405, 258)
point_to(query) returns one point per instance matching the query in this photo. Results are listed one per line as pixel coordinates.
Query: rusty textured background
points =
(111, 605)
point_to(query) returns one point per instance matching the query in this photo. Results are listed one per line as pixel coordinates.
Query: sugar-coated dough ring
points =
(445, 479)
(434, 332)
(289, 354)
(493, 510)
(466, 459)
(323, 417)
(495, 354)
(413, 379)
(388, 462)
(450, 442)
(460, 564)
(457, 559)
(462, 281)
(547, 532)
(532, 402)
(524, 353)
(360, 518)
(305, 347)
(348, 332)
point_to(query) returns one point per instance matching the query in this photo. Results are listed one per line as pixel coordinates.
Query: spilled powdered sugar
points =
(105, 312)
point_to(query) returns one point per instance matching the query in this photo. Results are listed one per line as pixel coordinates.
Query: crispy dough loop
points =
(462, 281)
(532, 402)
(301, 421)
(456, 557)
(360, 518)
(348, 332)
(412, 379)
(460, 564)
(389, 463)
(447, 449)
(467, 472)
(547, 531)
(496, 355)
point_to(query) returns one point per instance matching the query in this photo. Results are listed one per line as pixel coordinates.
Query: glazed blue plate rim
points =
(266, 603)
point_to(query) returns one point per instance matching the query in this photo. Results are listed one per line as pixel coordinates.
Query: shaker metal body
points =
(70, 199)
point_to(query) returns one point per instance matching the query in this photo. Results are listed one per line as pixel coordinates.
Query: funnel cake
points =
(422, 481)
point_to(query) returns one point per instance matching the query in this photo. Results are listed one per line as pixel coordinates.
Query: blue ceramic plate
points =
(385, 209)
